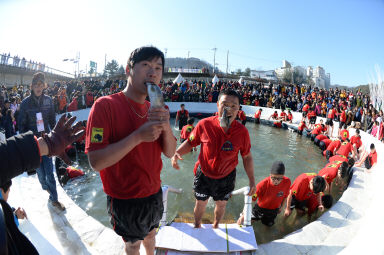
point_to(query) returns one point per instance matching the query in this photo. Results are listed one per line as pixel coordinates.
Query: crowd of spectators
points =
(79, 94)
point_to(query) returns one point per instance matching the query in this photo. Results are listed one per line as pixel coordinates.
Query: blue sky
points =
(344, 37)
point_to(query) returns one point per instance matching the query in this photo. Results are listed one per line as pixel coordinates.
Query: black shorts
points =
(218, 189)
(322, 146)
(304, 114)
(312, 120)
(341, 124)
(267, 216)
(367, 163)
(257, 120)
(133, 219)
(300, 132)
(296, 204)
(329, 122)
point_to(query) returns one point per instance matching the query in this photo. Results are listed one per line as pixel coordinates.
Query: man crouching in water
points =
(221, 139)
(124, 142)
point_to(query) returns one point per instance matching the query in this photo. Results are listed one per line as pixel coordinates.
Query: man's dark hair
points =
(318, 184)
(182, 105)
(343, 168)
(372, 146)
(327, 201)
(145, 53)
(358, 131)
(190, 121)
(6, 185)
(229, 92)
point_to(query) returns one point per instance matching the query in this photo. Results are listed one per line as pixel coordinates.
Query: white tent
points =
(178, 79)
(215, 79)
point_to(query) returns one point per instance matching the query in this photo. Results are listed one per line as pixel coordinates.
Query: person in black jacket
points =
(37, 113)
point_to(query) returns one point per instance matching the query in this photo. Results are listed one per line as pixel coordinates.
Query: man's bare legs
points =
(219, 212)
(148, 242)
(199, 211)
(133, 248)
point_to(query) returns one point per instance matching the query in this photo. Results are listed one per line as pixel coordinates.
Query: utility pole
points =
(227, 61)
(105, 60)
(188, 60)
(165, 51)
(214, 59)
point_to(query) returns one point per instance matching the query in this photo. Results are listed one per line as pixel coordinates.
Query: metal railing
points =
(23, 64)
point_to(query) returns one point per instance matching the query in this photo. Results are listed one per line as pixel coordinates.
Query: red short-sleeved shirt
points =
(321, 137)
(283, 114)
(311, 114)
(343, 116)
(271, 196)
(317, 130)
(305, 108)
(257, 115)
(331, 114)
(313, 203)
(137, 175)
(373, 157)
(329, 172)
(300, 187)
(184, 113)
(186, 131)
(338, 159)
(344, 134)
(356, 140)
(345, 149)
(334, 145)
(274, 115)
(290, 117)
(241, 115)
(277, 124)
(301, 126)
(327, 142)
(219, 150)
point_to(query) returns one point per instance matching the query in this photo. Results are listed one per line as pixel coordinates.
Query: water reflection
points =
(268, 144)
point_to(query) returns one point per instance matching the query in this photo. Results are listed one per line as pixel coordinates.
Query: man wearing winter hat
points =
(271, 194)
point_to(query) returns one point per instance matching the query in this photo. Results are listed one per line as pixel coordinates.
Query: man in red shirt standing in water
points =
(124, 142)
(271, 194)
(221, 138)
(182, 116)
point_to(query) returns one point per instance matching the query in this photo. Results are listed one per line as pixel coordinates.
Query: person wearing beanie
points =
(301, 190)
(271, 194)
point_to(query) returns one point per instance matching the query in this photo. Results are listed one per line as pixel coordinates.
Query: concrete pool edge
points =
(342, 229)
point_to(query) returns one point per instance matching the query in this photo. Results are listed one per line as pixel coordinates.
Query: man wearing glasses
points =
(37, 113)
(271, 194)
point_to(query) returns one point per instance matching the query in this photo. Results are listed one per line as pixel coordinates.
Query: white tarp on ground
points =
(178, 79)
(215, 79)
(226, 238)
